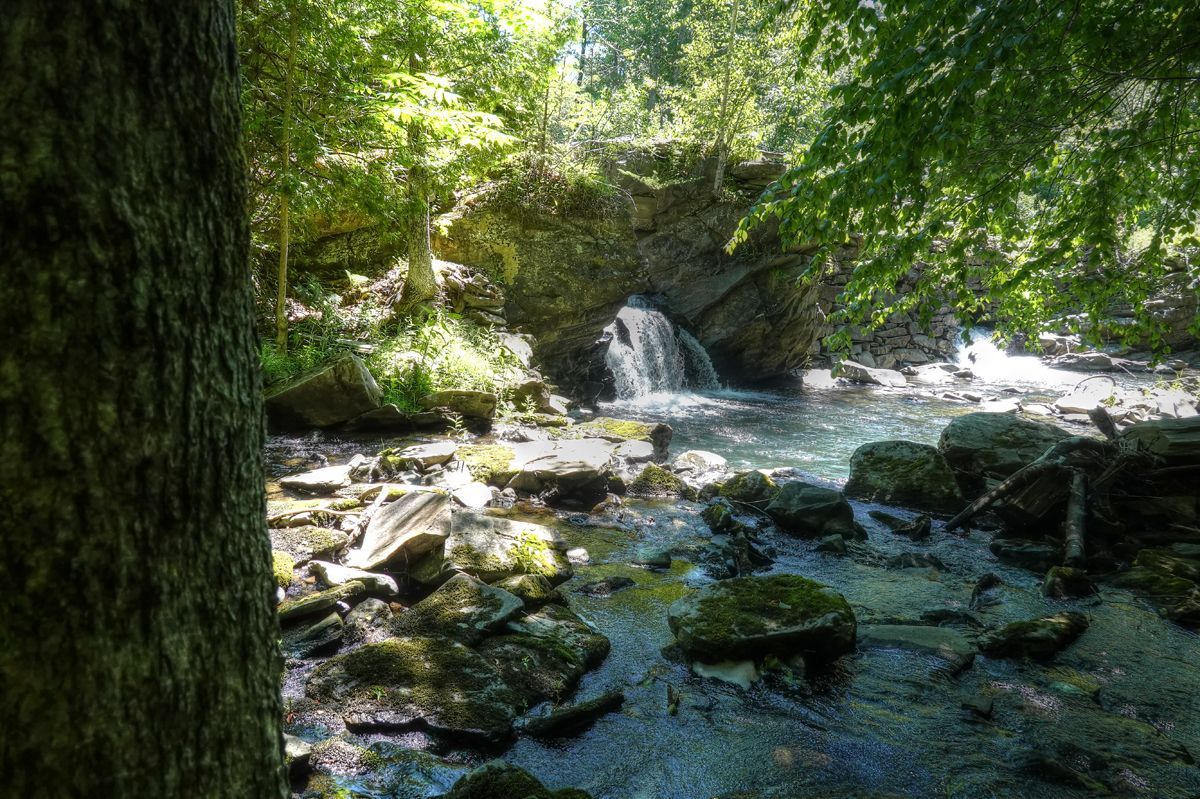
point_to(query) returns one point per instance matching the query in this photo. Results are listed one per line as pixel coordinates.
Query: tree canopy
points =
(1039, 159)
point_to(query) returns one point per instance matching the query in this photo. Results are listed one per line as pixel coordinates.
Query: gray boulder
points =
(492, 549)
(857, 373)
(334, 394)
(470, 404)
(573, 471)
(904, 473)
(810, 510)
(1038, 638)
(434, 683)
(463, 609)
(750, 617)
(994, 445)
(407, 528)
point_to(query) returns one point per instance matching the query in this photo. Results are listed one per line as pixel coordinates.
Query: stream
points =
(1122, 702)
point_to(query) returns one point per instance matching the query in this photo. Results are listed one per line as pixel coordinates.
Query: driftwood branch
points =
(278, 517)
(1055, 458)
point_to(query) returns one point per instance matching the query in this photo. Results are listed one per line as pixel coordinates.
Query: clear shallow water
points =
(882, 722)
(793, 425)
(814, 423)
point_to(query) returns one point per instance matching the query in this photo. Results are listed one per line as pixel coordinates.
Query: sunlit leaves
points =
(1063, 133)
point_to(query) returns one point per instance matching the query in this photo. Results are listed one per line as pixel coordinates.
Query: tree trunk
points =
(285, 170)
(419, 283)
(138, 653)
(723, 134)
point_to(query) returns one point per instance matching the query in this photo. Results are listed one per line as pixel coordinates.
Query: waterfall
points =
(992, 365)
(649, 355)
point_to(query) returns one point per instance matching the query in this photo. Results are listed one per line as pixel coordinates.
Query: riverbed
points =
(1117, 713)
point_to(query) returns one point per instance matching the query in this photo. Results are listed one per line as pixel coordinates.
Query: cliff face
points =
(565, 279)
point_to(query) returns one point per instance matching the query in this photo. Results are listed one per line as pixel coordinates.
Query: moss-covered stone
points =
(1063, 582)
(904, 473)
(1037, 638)
(345, 769)
(312, 604)
(750, 617)
(403, 683)
(306, 543)
(655, 481)
(282, 565)
(752, 486)
(488, 463)
(532, 589)
(805, 509)
(493, 548)
(463, 608)
(498, 780)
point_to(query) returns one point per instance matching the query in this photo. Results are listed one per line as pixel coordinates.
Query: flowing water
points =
(1120, 707)
(648, 355)
(1123, 703)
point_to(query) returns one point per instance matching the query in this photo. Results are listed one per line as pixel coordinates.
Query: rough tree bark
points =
(137, 630)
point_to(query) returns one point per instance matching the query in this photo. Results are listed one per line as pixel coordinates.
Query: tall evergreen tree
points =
(137, 648)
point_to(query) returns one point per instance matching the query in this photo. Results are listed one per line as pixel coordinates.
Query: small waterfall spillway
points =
(993, 365)
(649, 355)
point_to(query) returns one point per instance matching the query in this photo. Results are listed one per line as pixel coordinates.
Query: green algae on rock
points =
(752, 486)
(750, 617)
(1037, 638)
(499, 780)
(418, 683)
(904, 473)
(655, 481)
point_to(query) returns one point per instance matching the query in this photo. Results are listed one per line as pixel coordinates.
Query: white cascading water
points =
(648, 355)
(993, 365)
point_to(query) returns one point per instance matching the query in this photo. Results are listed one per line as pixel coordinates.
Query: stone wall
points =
(900, 341)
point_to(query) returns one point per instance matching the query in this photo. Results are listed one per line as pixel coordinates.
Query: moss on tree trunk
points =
(137, 647)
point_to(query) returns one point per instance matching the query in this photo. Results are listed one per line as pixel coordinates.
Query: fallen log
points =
(1055, 459)
(1076, 516)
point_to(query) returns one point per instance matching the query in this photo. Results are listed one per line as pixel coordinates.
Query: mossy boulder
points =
(309, 639)
(493, 548)
(655, 481)
(1037, 638)
(1169, 563)
(418, 682)
(752, 486)
(752, 617)
(904, 473)
(384, 769)
(809, 510)
(320, 601)
(532, 589)
(488, 463)
(305, 543)
(463, 608)
(1177, 598)
(545, 654)
(658, 434)
(468, 403)
(282, 565)
(499, 780)
(1065, 582)
(332, 394)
